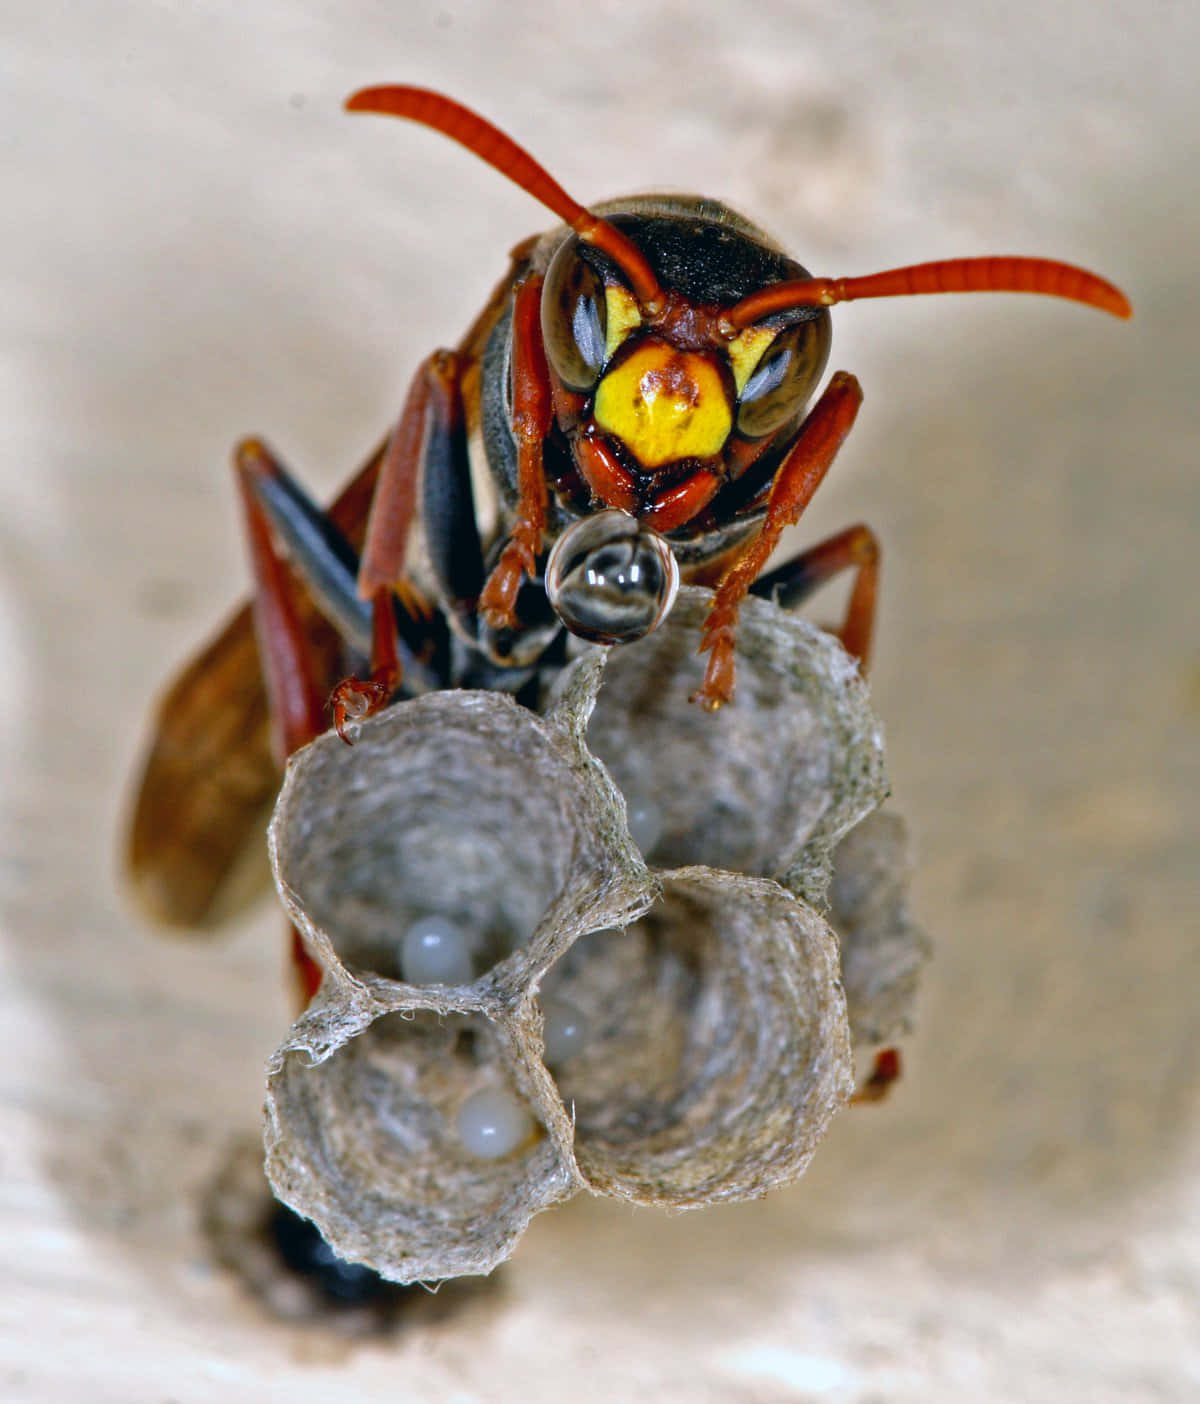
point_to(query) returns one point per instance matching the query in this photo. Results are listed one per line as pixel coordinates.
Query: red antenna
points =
(950, 275)
(490, 144)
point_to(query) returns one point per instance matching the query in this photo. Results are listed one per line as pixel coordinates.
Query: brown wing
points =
(210, 773)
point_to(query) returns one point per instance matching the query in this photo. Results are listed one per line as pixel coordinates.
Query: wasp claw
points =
(353, 701)
(498, 602)
(717, 640)
(718, 684)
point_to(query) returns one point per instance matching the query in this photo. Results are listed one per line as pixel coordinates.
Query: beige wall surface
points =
(195, 243)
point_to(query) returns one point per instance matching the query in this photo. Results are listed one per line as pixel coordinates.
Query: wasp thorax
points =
(611, 580)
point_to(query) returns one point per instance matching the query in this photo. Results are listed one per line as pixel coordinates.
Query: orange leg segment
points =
(532, 417)
(435, 394)
(356, 698)
(798, 477)
(856, 548)
(434, 391)
(884, 1074)
(296, 704)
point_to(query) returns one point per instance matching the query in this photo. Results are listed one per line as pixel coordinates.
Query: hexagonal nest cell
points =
(669, 1028)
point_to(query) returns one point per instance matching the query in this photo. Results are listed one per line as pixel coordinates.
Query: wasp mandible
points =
(634, 405)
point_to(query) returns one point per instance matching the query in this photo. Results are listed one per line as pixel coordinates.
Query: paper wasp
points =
(631, 406)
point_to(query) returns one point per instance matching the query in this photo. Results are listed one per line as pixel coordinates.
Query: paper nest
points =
(710, 979)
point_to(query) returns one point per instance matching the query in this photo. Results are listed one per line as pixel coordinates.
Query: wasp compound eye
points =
(574, 317)
(779, 386)
(610, 580)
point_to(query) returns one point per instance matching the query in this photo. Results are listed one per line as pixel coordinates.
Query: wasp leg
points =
(856, 548)
(795, 481)
(327, 565)
(323, 563)
(274, 504)
(432, 416)
(884, 1074)
(355, 698)
(293, 692)
(532, 415)
(448, 520)
(316, 549)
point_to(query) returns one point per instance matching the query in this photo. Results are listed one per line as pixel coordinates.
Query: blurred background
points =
(197, 243)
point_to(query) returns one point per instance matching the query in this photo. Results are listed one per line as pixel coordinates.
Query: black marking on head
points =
(707, 260)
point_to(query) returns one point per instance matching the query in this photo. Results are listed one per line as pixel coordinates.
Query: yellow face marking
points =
(746, 351)
(623, 315)
(665, 404)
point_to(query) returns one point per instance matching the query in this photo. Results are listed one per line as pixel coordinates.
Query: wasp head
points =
(662, 399)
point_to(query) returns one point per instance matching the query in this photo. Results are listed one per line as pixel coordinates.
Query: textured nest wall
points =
(666, 1020)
